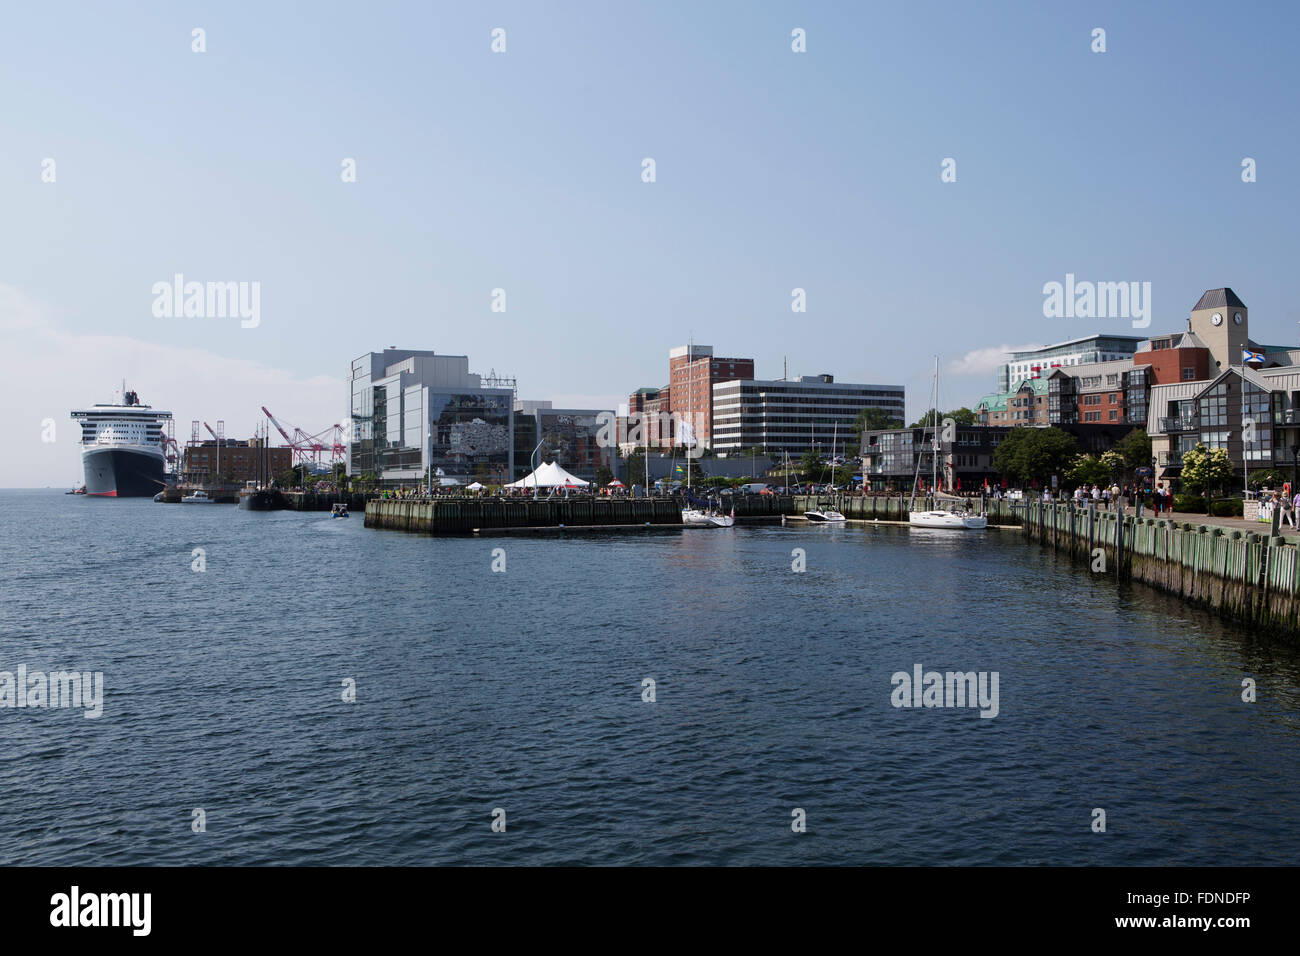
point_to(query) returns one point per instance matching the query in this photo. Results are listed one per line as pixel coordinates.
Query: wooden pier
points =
(468, 515)
(465, 515)
(1245, 576)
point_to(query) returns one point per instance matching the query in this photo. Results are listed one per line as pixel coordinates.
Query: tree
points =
(1135, 449)
(1206, 470)
(875, 419)
(962, 416)
(604, 476)
(1269, 477)
(1087, 470)
(810, 465)
(634, 468)
(1034, 454)
(1114, 463)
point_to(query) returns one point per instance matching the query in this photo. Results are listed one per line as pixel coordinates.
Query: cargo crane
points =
(219, 436)
(307, 447)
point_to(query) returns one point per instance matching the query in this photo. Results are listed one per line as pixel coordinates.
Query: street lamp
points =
(534, 467)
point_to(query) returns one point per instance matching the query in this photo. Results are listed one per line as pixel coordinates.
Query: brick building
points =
(693, 370)
(235, 461)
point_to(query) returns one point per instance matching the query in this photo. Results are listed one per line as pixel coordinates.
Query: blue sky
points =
(522, 171)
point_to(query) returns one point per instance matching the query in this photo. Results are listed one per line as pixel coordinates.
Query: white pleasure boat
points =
(960, 518)
(828, 515)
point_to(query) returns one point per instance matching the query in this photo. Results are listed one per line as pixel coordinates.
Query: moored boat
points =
(960, 518)
(957, 520)
(123, 448)
(828, 515)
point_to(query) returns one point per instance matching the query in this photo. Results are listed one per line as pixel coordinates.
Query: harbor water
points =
(228, 641)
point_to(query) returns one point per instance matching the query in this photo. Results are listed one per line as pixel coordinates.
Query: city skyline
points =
(522, 171)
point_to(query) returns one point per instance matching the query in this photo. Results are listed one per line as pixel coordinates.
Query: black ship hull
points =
(266, 499)
(122, 473)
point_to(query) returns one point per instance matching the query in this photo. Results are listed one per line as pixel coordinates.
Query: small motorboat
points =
(957, 520)
(339, 510)
(198, 498)
(829, 515)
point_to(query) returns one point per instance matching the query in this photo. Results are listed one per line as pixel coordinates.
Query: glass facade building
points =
(579, 440)
(416, 413)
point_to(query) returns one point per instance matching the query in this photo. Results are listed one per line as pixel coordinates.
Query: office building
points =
(797, 416)
(416, 414)
(693, 371)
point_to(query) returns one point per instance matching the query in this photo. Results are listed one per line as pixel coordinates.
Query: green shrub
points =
(1191, 504)
(1228, 508)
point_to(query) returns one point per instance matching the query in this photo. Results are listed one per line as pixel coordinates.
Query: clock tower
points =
(1220, 321)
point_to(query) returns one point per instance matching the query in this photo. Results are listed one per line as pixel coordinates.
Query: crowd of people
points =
(1278, 501)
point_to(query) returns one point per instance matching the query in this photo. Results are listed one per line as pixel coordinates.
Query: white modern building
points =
(416, 412)
(1039, 363)
(794, 416)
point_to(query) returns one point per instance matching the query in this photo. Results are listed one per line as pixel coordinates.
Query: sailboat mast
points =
(690, 405)
(835, 433)
(934, 451)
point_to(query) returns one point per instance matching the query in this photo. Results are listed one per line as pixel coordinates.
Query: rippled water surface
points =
(523, 690)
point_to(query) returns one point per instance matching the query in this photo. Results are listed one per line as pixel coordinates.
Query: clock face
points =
(1217, 319)
(1237, 318)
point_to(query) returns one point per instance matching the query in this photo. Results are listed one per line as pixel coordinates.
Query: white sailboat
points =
(959, 518)
(828, 515)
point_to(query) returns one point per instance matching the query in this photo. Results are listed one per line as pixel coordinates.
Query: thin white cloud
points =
(985, 361)
(51, 371)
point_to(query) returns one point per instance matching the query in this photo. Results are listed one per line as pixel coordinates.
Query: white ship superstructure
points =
(123, 447)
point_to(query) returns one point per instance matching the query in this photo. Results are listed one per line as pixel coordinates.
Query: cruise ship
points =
(123, 448)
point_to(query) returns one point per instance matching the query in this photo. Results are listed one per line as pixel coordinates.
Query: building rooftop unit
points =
(1101, 340)
(439, 371)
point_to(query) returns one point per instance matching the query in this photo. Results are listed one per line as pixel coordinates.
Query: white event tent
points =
(549, 475)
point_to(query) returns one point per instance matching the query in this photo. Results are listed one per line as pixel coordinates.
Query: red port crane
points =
(310, 447)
